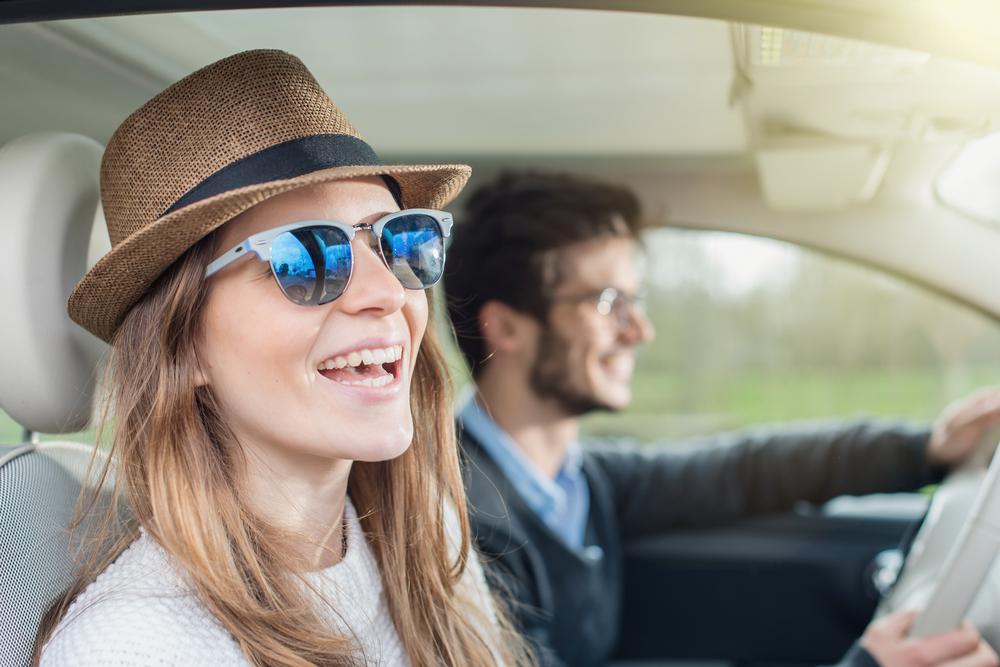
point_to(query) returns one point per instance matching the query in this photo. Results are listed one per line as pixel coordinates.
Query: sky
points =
(728, 264)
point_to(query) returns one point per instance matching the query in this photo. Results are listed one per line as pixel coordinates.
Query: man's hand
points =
(962, 425)
(886, 639)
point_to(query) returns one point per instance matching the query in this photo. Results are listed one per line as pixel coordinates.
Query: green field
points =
(664, 406)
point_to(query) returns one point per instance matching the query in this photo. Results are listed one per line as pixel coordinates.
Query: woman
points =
(281, 427)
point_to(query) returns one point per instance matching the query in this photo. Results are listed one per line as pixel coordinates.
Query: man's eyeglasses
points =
(611, 301)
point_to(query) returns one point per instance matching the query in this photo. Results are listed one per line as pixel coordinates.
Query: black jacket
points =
(568, 602)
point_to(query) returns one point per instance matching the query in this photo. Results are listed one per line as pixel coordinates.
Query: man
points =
(543, 287)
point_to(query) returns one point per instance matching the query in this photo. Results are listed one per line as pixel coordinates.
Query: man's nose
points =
(638, 328)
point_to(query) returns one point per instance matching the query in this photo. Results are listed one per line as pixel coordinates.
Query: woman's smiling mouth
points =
(365, 367)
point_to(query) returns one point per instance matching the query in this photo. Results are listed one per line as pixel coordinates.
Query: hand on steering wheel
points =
(887, 640)
(962, 426)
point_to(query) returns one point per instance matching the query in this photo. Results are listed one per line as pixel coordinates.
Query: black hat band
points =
(288, 159)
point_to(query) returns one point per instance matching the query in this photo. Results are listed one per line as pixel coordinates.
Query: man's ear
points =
(505, 329)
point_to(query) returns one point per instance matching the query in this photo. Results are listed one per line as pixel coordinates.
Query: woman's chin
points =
(381, 446)
(385, 453)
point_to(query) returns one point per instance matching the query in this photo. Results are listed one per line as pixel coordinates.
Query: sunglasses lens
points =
(413, 246)
(311, 264)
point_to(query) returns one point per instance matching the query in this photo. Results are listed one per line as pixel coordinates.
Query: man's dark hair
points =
(508, 245)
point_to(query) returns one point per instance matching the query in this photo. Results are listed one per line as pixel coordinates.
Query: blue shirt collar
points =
(551, 499)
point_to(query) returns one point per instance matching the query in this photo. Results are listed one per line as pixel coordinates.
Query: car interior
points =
(49, 371)
(862, 131)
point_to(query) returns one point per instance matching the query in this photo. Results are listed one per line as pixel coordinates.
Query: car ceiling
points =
(428, 80)
(718, 124)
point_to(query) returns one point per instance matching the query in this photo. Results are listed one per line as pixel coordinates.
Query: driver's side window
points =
(752, 331)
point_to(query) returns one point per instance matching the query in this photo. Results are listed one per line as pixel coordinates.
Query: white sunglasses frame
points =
(259, 244)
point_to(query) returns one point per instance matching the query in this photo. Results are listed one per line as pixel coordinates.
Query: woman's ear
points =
(200, 376)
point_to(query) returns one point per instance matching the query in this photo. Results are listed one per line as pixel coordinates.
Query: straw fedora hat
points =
(209, 147)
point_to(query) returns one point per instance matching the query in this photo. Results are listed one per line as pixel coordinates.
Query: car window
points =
(12, 433)
(967, 185)
(751, 331)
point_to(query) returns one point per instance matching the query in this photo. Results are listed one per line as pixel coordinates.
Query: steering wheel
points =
(951, 563)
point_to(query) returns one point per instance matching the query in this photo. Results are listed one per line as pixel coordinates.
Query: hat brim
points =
(101, 299)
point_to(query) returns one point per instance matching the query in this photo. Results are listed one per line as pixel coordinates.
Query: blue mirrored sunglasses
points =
(312, 260)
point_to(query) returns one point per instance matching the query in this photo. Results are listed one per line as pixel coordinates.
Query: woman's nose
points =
(373, 288)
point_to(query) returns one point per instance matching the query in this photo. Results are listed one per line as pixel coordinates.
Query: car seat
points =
(48, 205)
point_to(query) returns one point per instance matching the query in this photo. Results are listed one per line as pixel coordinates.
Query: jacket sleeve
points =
(738, 475)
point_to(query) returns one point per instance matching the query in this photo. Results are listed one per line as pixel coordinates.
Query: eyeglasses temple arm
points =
(228, 258)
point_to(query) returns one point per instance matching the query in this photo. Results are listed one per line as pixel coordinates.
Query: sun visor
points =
(820, 177)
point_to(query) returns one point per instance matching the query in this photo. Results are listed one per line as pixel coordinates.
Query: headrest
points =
(48, 205)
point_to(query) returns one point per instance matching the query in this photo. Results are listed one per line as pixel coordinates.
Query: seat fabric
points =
(39, 487)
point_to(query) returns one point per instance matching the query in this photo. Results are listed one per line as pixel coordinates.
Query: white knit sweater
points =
(140, 612)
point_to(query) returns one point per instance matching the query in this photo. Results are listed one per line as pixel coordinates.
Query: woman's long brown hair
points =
(178, 468)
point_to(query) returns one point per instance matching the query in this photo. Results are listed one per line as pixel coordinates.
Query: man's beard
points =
(552, 378)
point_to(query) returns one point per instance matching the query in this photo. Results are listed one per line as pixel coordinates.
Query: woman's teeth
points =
(379, 381)
(366, 356)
